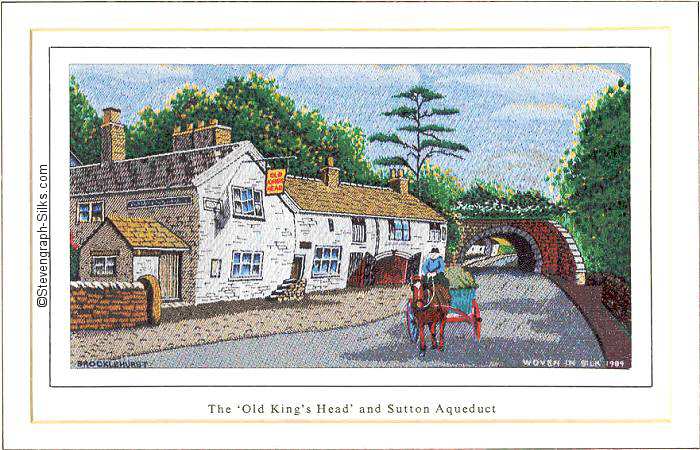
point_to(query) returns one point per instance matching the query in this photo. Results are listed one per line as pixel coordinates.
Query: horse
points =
(429, 305)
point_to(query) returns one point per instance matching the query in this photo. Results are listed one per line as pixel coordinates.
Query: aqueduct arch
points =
(542, 246)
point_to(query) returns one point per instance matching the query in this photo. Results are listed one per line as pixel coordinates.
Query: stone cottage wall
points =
(183, 220)
(103, 305)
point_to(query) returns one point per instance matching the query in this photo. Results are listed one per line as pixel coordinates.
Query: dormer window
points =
(247, 202)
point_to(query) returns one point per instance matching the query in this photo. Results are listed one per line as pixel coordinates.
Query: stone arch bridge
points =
(542, 246)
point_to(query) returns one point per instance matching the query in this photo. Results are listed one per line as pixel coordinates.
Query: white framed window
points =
(247, 202)
(435, 234)
(443, 233)
(104, 266)
(331, 225)
(326, 261)
(359, 229)
(399, 230)
(246, 265)
(91, 212)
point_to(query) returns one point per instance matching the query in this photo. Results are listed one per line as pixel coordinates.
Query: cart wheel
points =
(476, 320)
(411, 327)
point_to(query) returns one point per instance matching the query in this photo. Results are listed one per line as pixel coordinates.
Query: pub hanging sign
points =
(274, 181)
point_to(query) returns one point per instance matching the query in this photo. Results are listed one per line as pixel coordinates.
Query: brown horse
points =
(429, 305)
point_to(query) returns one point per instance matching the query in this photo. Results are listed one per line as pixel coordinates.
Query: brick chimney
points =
(113, 137)
(182, 139)
(202, 136)
(210, 134)
(330, 175)
(398, 181)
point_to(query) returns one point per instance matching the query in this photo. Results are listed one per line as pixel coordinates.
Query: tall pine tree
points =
(424, 140)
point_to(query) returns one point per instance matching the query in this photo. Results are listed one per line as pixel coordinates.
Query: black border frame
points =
(373, 48)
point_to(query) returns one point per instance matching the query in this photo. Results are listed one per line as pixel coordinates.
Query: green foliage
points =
(593, 182)
(85, 138)
(424, 140)
(460, 278)
(506, 249)
(490, 199)
(74, 263)
(257, 112)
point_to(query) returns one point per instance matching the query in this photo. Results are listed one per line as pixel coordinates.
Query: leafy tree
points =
(593, 181)
(257, 112)
(426, 141)
(490, 199)
(85, 138)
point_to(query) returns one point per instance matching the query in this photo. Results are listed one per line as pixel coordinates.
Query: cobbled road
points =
(527, 320)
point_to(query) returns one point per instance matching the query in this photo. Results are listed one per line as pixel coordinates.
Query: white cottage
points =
(329, 233)
(199, 220)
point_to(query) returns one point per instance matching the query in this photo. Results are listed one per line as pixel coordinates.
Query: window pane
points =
(256, 269)
(245, 270)
(334, 266)
(246, 258)
(238, 208)
(83, 212)
(334, 253)
(316, 267)
(319, 252)
(236, 258)
(96, 211)
(256, 257)
(326, 252)
(236, 194)
(236, 270)
(257, 196)
(324, 266)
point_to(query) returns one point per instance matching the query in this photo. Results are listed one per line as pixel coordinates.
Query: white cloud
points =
(350, 74)
(533, 111)
(553, 81)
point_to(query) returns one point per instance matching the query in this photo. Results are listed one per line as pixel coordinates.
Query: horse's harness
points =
(430, 300)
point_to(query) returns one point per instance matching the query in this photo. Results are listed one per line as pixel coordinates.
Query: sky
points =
(515, 119)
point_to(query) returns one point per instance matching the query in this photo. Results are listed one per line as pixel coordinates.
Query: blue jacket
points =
(434, 265)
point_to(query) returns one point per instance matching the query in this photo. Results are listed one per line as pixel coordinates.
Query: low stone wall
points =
(614, 340)
(617, 296)
(104, 305)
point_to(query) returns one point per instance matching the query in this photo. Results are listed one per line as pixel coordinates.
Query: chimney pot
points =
(200, 124)
(398, 182)
(176, 129)
(213, 121)
(190, 127)
(111, 115)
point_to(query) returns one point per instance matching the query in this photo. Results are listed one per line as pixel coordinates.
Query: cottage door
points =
(356, 270)
(169, 278)
(297, 267)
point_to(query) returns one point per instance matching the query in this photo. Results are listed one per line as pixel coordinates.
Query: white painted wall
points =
(274, 236)
(314, 228)
(145, 265)
(280, 235)
(476, 250)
